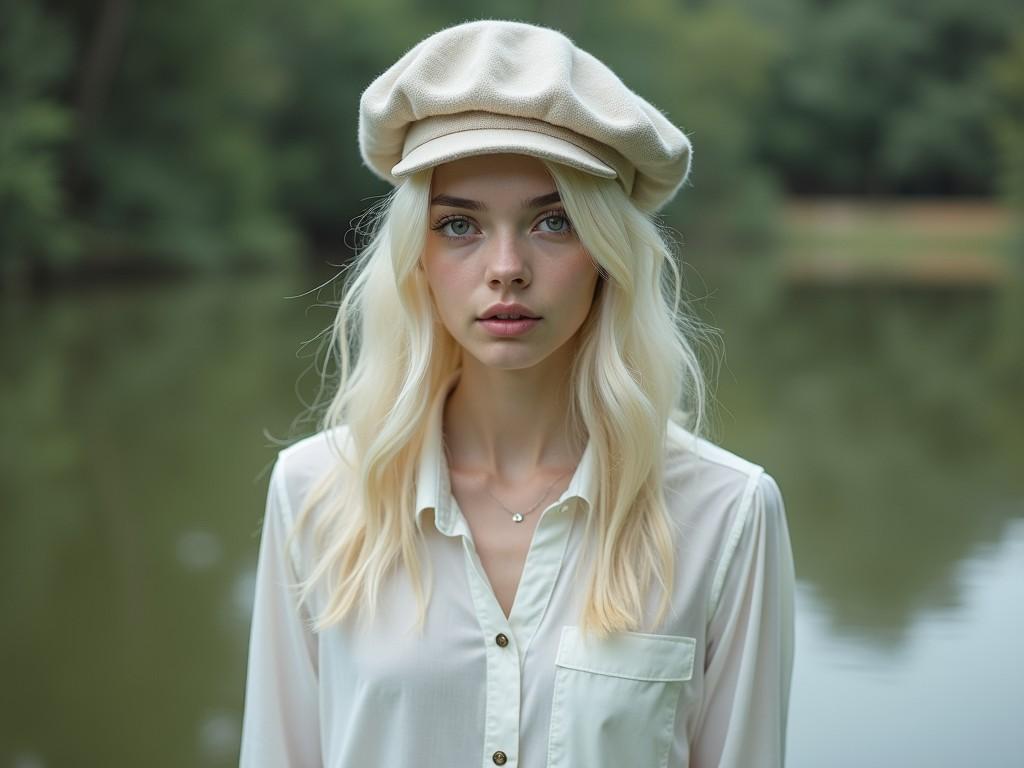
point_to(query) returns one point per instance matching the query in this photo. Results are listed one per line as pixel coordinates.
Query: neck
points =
(511, 423)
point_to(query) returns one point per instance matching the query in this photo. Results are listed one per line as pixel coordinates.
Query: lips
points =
(509, 312)
(497, 327)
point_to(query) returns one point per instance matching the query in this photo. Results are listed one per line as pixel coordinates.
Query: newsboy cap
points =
(504, 86)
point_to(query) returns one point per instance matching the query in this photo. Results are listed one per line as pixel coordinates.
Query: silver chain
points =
(517, 517)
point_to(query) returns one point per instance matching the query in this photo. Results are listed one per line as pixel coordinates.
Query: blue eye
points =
(455, 227)
(556, 223)
(459, 227)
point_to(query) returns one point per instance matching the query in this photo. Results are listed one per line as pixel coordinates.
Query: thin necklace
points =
(517, 517)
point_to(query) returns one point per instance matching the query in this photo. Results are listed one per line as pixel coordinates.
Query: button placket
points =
(504, 678)
(504, 675)
(540, 571)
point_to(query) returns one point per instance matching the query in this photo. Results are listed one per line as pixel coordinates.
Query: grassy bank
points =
(894, 241)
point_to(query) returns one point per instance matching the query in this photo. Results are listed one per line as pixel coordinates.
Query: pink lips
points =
(509, 327)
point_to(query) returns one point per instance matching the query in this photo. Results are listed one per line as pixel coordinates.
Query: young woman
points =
(507, 544)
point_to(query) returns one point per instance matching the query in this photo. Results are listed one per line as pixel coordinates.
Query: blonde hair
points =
(635, 368)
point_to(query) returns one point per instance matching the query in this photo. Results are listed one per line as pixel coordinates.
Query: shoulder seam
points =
(735, 532)
(705, 450)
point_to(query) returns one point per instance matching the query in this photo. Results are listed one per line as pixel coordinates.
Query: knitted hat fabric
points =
(493, 86)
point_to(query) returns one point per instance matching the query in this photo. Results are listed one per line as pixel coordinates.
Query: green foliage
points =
(33, 127)
(217, 135)
(706, 69)
(327, 55)
(179, 155)
(886, 96)
(1008, 131)
(1008, 120)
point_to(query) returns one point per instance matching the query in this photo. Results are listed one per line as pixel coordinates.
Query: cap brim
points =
(487, 141)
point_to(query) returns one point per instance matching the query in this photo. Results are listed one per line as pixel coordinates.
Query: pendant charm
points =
(517, 518)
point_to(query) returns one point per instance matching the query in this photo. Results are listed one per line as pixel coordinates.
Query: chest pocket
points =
(614, 699)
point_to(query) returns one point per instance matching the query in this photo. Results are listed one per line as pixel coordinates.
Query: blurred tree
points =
(884, 96)
(174, 162)
(217, 135)
(33, 127)
(329, 54)
(706, 67)
(1008, 121)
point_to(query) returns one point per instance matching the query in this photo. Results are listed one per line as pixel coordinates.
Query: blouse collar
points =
(433, 484)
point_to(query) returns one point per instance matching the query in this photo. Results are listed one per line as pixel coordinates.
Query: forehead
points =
(493, 177)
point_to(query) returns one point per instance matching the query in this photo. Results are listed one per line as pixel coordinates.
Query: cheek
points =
(576, 279)
(450, 286)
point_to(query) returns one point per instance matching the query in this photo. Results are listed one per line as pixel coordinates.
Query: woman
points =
(507, 545)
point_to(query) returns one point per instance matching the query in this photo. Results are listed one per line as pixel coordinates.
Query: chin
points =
(508, 359)
(506, 364)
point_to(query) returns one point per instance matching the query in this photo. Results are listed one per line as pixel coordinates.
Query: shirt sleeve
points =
(749, 659)
(280, 725)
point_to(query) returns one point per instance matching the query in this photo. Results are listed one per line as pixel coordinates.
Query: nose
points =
(508, 261)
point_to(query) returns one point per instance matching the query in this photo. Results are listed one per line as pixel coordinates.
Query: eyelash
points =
(552, 214)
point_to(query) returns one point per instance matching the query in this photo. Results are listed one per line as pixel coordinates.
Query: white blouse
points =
(709, 688)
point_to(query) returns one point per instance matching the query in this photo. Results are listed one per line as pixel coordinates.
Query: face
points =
(498, 234)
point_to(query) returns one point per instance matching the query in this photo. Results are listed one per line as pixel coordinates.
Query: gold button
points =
(499, 758)
(501, 639)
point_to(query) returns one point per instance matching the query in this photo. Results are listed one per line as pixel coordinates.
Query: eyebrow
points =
(476, 205)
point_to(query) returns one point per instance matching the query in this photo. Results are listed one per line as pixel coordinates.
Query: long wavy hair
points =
(635, 368)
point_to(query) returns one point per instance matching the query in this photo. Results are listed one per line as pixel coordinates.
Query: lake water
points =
(140, 424)
(949, 695)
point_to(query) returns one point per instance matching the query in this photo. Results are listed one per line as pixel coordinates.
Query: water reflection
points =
(951, 696)
(892, 432)
(135, 457)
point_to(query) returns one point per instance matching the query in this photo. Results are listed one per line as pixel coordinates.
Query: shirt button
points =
(499, 758)
(502, 640)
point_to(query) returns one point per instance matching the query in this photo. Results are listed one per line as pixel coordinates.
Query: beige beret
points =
(503, 86)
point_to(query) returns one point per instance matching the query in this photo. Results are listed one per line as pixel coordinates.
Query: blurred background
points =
(178, 181)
